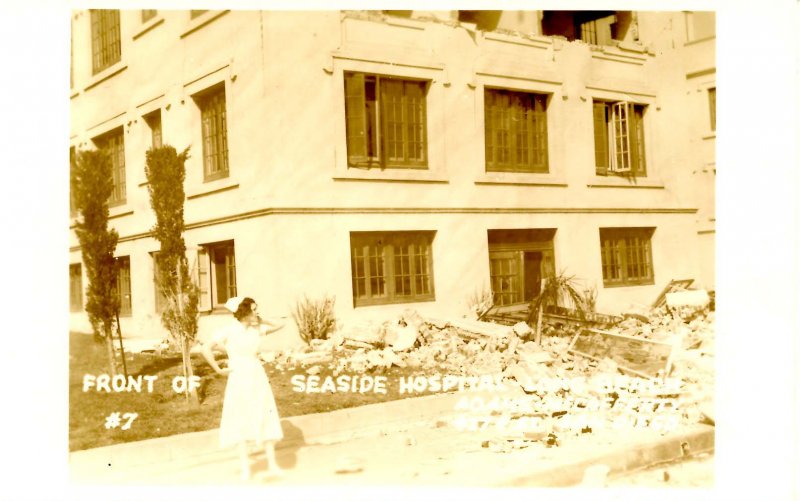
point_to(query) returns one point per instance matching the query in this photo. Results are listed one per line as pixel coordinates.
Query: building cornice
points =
(299, 211)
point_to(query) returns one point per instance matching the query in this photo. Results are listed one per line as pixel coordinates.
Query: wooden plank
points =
(637, 356)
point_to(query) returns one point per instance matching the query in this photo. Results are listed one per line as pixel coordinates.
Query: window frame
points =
(614, 244)
(712, 107)
(390, 241)
(75, 293)
(538, 134)
(116, 151)
(216, 153)
(122, 287)
(374, 120)
(154, 121)
(207, 274)
(614, 144)
(106, 38)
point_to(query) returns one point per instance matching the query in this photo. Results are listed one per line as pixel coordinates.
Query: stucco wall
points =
(290, 200)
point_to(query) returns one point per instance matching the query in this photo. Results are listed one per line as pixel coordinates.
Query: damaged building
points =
(402, 159)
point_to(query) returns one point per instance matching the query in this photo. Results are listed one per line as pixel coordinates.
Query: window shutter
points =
(355, 118)
(621, 130)
(600, 138)
(488, 124)
(637, 140)
(203, 280)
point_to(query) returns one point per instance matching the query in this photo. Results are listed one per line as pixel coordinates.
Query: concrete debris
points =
(522, 329)
(464, 347)
(695, 298)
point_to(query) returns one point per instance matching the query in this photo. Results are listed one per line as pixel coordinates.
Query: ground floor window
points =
(161, 298)
(75, 288)
(627, 256)
(391, 267)
(122, 287)
(518, 260)
(216, 267)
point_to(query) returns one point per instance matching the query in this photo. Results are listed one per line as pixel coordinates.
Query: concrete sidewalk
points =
(403, 442)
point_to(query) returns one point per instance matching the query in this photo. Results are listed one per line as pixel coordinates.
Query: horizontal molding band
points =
(280, 211)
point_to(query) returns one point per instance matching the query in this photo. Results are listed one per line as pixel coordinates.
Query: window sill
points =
(375, 302)
(391, 175)
(212, 187)
(710, 135)
(521, 178)
(217, 310)
(623, 182)
(637, 284)
(73, 93)
(119, 211)
(111, 71)
(149, 25)
(202, 20)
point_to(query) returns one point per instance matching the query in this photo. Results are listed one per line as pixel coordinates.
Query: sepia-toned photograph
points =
(416, 248)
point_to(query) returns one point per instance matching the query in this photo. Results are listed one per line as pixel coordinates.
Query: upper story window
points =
(712, 107)
(619, 138)
(627, 256)
(215, 132)
(106, 47)
(596, 27)
(516, 131)
(114, 144)
(153, 121)
(148, 14)
(386, 121)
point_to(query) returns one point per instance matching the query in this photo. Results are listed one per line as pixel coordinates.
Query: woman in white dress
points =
(249, 413)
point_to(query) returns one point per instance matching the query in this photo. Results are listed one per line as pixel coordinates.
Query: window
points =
(391, 267)
(73, 208)
(106, 48)
(153, 121)
(215, 133)
(518, 260)
(114, 144)
(148, 14)
(386, 121)
(216, 267)
(516, 131)
(161, 298)
(619, 138)
(596, 27)
(75, 288)
(197, 13)
(122, 288)
(712, 107)
(626, 256)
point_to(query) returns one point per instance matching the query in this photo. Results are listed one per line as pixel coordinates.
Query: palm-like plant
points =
(557, 290)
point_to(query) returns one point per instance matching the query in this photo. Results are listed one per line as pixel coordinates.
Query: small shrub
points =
(480, 302)
(314, 319)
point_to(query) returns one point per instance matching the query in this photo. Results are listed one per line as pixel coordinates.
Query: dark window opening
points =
(596, 27)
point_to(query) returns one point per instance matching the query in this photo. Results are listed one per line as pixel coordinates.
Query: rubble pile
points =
(465, 347)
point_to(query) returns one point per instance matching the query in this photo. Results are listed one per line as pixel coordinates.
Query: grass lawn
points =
(165, 412)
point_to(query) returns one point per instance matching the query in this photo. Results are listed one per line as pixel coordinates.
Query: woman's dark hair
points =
(244, 308)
